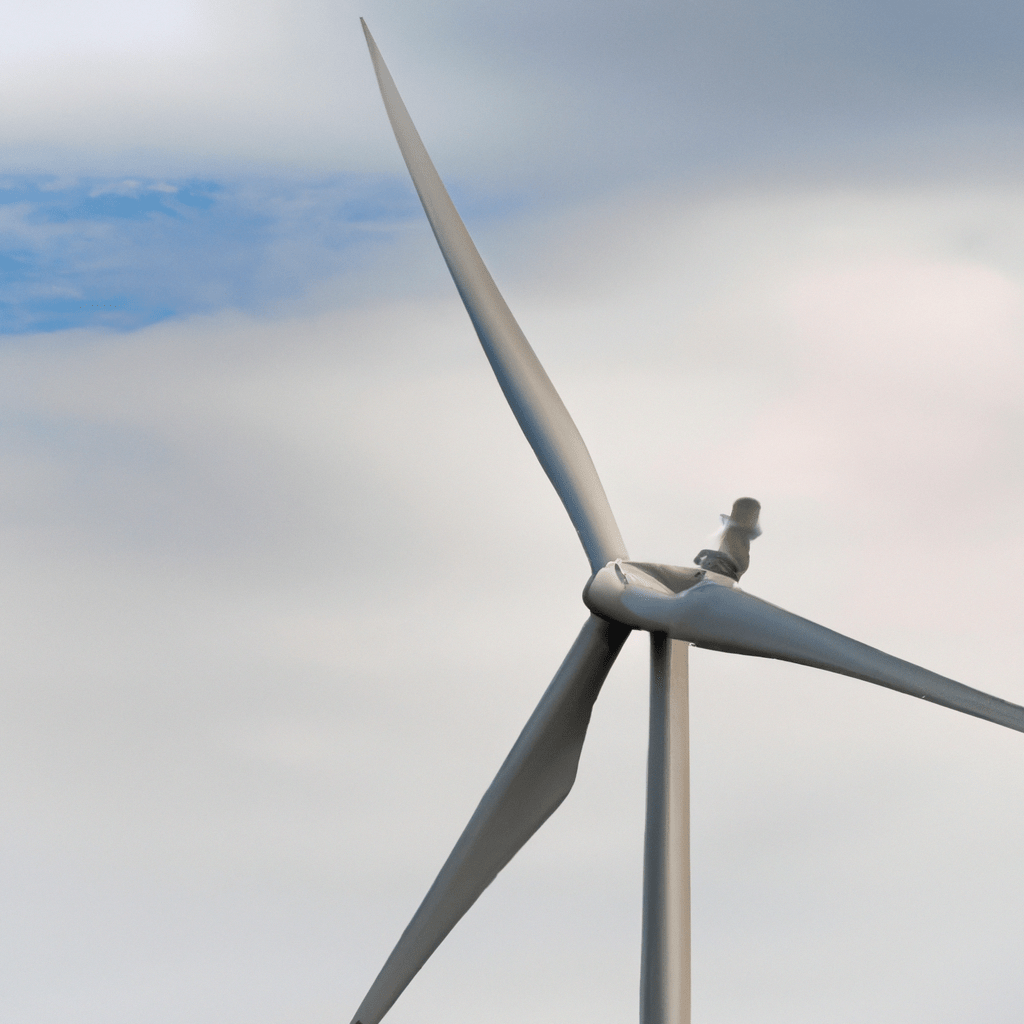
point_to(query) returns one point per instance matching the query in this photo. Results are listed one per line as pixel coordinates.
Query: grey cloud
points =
(546, 98)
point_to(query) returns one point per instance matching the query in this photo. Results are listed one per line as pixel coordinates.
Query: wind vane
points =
(677, 605)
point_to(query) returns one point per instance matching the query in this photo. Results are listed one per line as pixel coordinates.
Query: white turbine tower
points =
(677, 606)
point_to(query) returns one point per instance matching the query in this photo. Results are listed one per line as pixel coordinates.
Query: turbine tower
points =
(676, 605)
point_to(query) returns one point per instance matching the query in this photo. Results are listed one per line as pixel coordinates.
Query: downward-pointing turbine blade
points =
(535, 402)
(535, 778)
(724, 619)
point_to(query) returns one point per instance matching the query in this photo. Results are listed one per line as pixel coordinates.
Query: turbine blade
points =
(715, 616)
(535, 778)
(688, 605)
(544, 419)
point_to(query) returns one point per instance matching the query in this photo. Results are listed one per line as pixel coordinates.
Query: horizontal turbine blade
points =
(712, 614)
(543, 417)
(535, 778)
(730, 620)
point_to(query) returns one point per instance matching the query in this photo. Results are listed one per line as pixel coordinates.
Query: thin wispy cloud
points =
(129, 252)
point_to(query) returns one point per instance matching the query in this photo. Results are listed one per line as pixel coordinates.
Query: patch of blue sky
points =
(128, 252)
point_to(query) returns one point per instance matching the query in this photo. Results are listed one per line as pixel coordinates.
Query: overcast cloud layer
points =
(555, 92)
(283, 581)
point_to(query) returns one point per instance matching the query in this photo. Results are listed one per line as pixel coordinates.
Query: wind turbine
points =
(678, 606)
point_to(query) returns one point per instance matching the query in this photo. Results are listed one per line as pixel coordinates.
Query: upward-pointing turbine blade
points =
(544, 419)
(535, 778)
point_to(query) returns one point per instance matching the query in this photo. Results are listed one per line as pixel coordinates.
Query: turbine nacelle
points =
(652, 596)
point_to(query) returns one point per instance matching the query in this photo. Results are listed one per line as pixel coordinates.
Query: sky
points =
(284, 581)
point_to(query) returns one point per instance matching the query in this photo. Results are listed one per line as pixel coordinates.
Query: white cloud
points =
(130, 187)
(280, 593)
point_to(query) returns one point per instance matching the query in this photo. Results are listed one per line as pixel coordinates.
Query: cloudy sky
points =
(283, 581)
